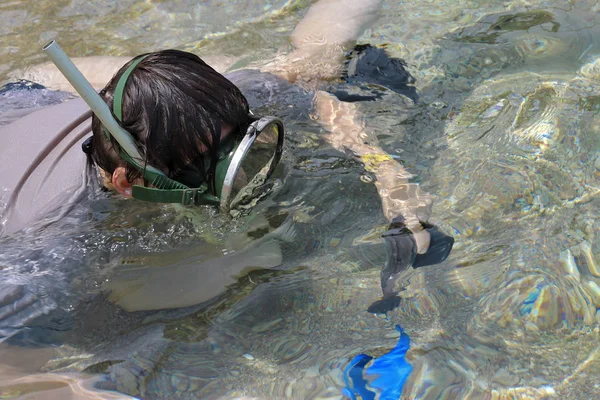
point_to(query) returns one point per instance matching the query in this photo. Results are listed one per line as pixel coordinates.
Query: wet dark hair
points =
(174, 106)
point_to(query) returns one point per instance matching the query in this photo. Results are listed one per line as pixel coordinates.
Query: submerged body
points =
(47, 181)
(55, 176)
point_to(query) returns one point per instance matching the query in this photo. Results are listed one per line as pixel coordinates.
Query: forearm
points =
(398, 195)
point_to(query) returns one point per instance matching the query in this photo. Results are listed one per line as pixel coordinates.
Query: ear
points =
(120, 182)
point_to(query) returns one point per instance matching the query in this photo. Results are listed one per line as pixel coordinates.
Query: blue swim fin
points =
(355, 383)
(386, 374)
(389, 373)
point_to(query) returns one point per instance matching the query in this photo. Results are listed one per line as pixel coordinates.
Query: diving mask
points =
(251, 163)
(239, 173)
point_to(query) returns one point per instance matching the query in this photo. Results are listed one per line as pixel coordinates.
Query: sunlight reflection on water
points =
(504, 138)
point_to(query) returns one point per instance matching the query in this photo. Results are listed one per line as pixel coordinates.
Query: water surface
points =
(504, 137)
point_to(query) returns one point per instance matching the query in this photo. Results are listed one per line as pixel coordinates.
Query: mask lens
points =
(256, 167)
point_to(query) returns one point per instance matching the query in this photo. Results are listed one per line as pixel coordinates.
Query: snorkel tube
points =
(94, 101)
(166, 190)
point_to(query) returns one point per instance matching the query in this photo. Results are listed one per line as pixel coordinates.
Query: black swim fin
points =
(373, 71)
(22, 84)
(440, 246)
(402, 254)
(385, 305)
(402, 251)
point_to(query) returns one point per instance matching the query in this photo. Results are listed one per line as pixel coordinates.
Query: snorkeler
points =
(190, 137)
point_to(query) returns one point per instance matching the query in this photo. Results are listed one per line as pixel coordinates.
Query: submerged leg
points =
(402, 251)
(402, 254)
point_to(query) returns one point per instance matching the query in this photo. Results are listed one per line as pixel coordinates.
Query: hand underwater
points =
(402, 247)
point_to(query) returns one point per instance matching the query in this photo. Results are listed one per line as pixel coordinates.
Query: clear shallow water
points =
(505, 140)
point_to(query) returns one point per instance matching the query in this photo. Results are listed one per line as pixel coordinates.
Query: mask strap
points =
(120, 88)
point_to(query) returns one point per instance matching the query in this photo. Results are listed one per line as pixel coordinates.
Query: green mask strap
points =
(120, 88)
(166, 190)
